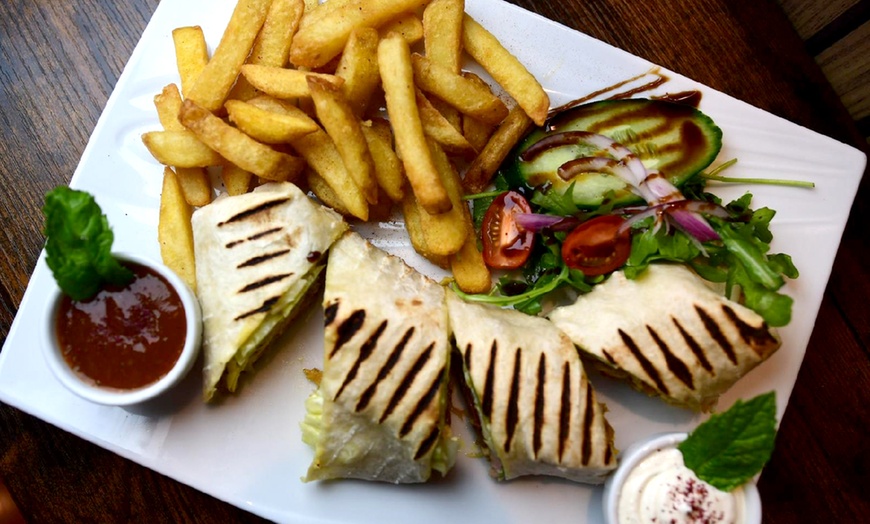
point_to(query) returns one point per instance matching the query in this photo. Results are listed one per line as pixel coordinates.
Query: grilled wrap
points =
(380, 411)
(257, 256)
(669, 333)
(538, 412)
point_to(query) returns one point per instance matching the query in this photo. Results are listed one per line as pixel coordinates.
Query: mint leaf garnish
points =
(731, 447)
(79, 244)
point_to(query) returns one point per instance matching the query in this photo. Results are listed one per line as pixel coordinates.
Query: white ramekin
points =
(117, 397)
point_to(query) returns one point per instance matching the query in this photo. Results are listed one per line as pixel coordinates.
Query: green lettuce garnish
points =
(79, 244)
(731, 447)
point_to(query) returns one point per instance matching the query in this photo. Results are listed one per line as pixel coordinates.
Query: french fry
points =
(320, 40)
(411, 214)
(324, 192)
(180, 149)
(408, 25)
(358, 67)
(174, 232)
(237, 147)
(437, 127)
(322, 156)
(442, 33)
(168, 104)
(484, 166)
(477, 132)
(468, 97)
(340, 123)
(272, 45)
(217, 78)
(445, 232)
(469, 269)
(236, 180)
(505, 69)
(195, 185)
(283, 83)
(191, 54)
(268, 126)
(397, 78)
(388, 167)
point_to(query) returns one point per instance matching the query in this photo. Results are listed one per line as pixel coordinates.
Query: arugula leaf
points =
(79, 244)
(731, 447)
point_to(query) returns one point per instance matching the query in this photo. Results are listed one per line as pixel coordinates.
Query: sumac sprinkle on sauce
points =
(124, 337)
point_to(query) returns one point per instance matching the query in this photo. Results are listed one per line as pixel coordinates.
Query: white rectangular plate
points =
(247, 450)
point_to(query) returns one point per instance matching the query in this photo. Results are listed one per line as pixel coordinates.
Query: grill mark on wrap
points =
(405, 385)
(754, 336)
(423, 403)
(565, 409)
(265, 281)
(259, 208)
(427, 442)
(694, 346)
(675, 365)
(329, 313)
(716, 334)
(255, 261)
(264, 307)
(370, 391)
(513, 415)
(588, 420)
(365, 351)
(347, 329)
(540, 402)
(488, 384)
(255, 236)
(647, 366)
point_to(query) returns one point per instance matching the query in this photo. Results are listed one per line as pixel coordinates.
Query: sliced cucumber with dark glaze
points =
(675, 139)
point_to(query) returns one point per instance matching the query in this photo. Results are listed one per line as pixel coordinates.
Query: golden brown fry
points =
(437, 127)
(484, 166)
(236, 180)
(388, 167)
(283, 83)
(174, 232)
(324, 192)
(237, 147)
(408, 25)
(505, 69)
(191, 54)
(340, 123)
(469, 269)
(442, 33)
(445, 232)
(467, 96)
(168, 104)
(319, 151)
(180, 149)
(411, 213)
(324, 36)
(195, 185)
(268, 126)
(476, 132)
(272, 46)
(217, 78)
(358, 67)
(397, 77)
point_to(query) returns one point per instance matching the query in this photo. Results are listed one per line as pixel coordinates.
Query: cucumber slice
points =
(675, 139)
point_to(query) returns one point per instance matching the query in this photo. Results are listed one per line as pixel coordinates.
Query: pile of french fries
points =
(295, 91)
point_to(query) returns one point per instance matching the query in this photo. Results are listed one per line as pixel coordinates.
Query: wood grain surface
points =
(60, 60)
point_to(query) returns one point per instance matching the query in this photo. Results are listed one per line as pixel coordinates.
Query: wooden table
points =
(60, 60)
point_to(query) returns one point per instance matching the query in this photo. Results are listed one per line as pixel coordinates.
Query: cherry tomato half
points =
(505, 245)
(596, 247)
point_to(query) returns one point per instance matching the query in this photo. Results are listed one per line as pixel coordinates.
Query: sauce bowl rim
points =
(638, 451)
(117, 397)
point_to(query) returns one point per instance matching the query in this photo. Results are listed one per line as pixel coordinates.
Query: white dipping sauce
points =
(662, 490)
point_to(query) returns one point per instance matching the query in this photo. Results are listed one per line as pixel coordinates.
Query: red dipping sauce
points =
(125, 337)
